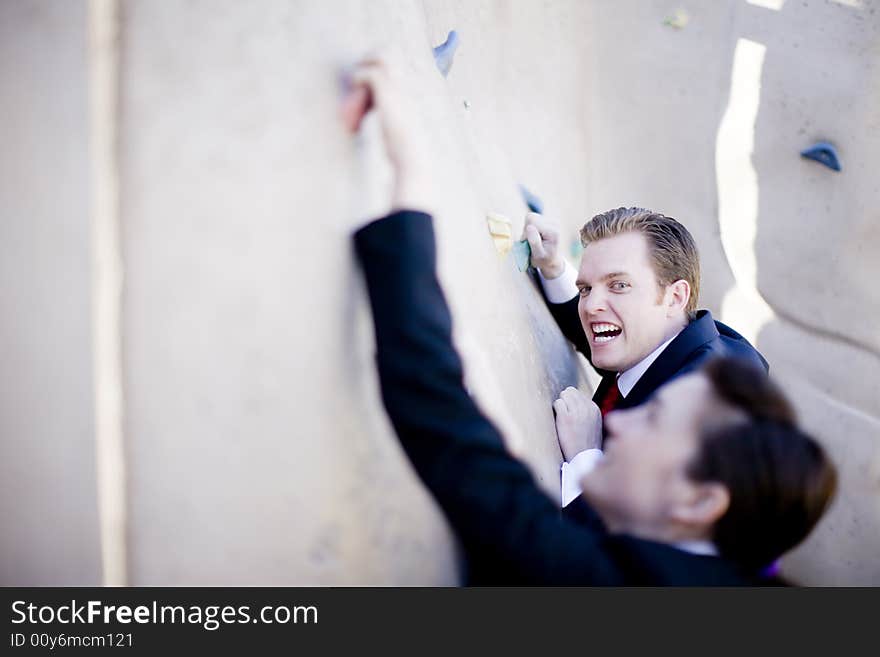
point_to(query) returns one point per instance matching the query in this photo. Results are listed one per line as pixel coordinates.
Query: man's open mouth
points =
(604, 332)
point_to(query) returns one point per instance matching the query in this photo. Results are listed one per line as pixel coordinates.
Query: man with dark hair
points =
(703, 485)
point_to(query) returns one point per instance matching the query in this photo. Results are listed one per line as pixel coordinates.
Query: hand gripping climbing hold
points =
(444, 53)
(824, 153)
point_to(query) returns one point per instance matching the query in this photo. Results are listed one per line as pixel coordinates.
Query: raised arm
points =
(511, 531)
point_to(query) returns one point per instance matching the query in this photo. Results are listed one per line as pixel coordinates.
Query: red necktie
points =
(612, 396)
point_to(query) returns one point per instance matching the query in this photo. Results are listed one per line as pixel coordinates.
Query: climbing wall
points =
(258, 449)
(252, 446)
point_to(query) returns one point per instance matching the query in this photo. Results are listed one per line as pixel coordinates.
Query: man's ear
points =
(677, 296)
(709, 502)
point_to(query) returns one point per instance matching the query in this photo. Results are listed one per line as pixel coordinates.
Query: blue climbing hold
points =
(535, 204)
(444, 53)
(823, 153)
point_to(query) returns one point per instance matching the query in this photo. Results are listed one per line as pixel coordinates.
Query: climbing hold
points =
(535, 204)
(824, 153)
(576, 248)
(467, 104)
(678, 20)
(444, 53)
(522, 254)
(499, 229)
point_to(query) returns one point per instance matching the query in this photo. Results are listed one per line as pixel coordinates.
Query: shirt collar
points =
(628, 380)
(698, 547)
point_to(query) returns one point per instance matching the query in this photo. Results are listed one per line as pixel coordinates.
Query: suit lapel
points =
(668, 364)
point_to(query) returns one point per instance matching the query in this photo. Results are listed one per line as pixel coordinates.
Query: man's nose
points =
(594, 302)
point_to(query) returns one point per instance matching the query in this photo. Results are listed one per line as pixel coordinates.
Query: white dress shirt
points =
(562, 288)
(559, 290)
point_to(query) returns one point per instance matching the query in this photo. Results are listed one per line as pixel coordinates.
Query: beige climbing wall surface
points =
(255, 449)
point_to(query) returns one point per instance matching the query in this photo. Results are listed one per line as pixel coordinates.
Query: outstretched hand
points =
(578, 422)
(376, 83)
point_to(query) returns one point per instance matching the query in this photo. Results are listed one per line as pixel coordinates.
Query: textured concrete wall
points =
(256, 449)
(48, 491)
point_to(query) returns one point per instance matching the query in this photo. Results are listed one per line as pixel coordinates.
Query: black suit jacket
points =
(510, 530)
(701, 340)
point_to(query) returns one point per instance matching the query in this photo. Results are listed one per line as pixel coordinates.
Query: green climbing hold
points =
(522, 255)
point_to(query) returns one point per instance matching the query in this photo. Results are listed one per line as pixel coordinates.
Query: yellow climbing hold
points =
(678, 20)
(501, 232)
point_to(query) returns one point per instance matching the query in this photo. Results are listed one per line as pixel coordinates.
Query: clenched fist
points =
(578, 422)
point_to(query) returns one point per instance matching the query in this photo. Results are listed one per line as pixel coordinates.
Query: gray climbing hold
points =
(535, 204)
(823, 153)
(522, 254)
(444, 53)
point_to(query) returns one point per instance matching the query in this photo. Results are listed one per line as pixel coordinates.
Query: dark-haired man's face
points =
(641, 485)
(624, 312)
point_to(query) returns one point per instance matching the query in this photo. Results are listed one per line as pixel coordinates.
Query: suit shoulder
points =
(731, 343)
(650, 563)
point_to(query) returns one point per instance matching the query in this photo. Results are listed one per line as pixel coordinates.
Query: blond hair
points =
(672, 249)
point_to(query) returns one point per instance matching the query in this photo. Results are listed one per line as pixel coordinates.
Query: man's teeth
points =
(605, 328)
(602, 328)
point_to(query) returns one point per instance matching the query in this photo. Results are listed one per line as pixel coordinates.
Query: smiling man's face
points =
(625, 313)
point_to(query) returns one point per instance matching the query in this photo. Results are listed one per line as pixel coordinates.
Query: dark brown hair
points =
(673, 251)
(779, 478)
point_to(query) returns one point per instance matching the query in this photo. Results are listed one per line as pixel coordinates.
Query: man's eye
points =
(583, 291)
(619, 285)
